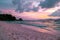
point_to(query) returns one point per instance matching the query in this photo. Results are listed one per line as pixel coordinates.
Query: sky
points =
(36, 8)
(35, 3)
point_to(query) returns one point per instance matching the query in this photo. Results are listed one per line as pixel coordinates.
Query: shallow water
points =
(13, 30)
(46, 25)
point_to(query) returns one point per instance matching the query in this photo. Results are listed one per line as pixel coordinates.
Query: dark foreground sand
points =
(11, 31)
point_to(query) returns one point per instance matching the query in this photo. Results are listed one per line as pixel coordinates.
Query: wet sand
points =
(11, 31)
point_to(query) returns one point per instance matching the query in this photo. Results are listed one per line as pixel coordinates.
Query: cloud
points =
(48, 3)
(26, 5)
(56, 13)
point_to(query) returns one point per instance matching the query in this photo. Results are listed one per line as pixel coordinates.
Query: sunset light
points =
(32, 15)
(29, 19)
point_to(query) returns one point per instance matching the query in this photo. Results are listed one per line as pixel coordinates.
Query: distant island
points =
(9, 17)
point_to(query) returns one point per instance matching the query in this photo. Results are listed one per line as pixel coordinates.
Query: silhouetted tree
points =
(20, 19)
(7, 17)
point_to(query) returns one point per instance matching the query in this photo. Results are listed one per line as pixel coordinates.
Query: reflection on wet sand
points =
(12, 31)
(48, 25)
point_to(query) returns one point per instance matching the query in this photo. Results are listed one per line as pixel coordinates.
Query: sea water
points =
(50, 25)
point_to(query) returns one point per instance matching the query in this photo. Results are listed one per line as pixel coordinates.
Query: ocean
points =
(45, 25)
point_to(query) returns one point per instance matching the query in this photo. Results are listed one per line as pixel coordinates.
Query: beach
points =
(12, 31)
(33, 20)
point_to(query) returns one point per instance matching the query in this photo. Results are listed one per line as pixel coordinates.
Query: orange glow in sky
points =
(33, 15)
(39, 15)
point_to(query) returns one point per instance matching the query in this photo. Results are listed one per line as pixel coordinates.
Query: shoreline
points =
(34, 28)
(11, 30)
